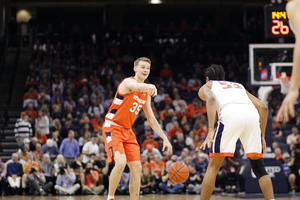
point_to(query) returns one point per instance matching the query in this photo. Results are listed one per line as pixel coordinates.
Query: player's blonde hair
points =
(136, 62)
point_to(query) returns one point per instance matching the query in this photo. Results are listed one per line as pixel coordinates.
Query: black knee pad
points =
(258, 168)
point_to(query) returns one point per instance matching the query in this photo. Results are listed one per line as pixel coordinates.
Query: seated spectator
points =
(89, 181)
(57, 139)
(77, 167)
(32, 144)
(24, 151)
(292, 138)
(45, 95)
(160, 97)
(167, 186)
(31, 94)
(57, 97)
(195, 107)
(123, 187)
(194, 181)
(3, 183)
(101, 166)
(231, 174)
(31, 112)
(42, 124)
(294, 176)
(172, 160)
(47, 168)
(157, 168)
(147, 182)
(286, 165)
(96, 94)
(69, 111)
(276, 128)
(178, 143)
(50, 149)
(30, 97)
(278, 155)
(172, 131)
(150, 140)
(81, 108)
(69, 102)
(37, 154)
(55, 126)
(184, 153)
(201, 162)
(56, 112)
(37, 183)
(58, 163)
(42, 138)
(68, 126)
(30, 163)
(14, 173)
(65, 181)
(97, 122)
(95, 108)
(150, 149)
(85, 137)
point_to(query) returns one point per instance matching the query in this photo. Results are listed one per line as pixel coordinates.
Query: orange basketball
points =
(178, 172)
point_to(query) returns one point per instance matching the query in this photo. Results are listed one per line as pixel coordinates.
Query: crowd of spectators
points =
(72, 78)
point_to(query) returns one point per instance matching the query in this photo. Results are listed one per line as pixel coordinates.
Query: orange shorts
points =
(122, 140)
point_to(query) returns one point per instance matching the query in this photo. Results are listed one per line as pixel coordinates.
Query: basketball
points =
(178, 172)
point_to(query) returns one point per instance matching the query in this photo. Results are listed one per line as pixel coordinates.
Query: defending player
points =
(240, 116)
(288, 105)
(120, 141)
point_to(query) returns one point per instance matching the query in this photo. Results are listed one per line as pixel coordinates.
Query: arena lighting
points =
(155, 1)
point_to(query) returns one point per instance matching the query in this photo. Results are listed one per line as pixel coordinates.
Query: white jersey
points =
(229, 93)
(237, 119)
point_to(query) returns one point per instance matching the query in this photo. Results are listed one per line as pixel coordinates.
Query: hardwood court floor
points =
(153, 197)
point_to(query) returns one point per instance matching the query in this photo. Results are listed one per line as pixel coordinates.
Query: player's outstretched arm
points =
(130, 85)
(287, 107)
(156, 126)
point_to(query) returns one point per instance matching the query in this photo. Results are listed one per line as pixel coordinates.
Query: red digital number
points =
(279, 28)
(228, 85)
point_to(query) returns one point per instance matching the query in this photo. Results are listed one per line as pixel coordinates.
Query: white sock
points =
(110, 197)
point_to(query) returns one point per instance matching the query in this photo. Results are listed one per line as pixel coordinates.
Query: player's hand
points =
(152, 91)
(168, 147)
(287, 107)
(207, 142)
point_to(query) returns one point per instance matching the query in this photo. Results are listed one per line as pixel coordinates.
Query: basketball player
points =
(287, 107)
(120, 141)
(240, 116)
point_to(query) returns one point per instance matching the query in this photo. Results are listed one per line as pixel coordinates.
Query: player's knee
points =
(135, 166)
(258, 168)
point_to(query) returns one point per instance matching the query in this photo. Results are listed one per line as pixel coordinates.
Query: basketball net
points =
(285, 82)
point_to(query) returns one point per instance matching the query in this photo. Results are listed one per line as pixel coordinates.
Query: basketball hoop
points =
(285, 83)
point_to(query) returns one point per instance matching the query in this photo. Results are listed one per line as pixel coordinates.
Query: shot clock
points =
(276, 22)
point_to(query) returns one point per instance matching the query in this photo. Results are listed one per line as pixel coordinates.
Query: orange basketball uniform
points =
(117, 132)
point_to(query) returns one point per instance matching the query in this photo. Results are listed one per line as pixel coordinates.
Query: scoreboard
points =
(276, 22)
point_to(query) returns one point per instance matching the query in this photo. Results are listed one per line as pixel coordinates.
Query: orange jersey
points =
(124, 108)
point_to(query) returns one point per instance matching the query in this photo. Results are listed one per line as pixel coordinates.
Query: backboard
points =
(268, 61)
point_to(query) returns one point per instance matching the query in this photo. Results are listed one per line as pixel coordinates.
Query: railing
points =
(3, 53)
(4, 114)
